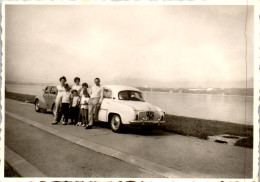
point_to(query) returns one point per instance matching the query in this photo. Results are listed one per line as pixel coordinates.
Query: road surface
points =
(149, 153)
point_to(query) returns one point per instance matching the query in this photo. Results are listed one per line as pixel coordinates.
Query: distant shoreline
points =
(214, 91)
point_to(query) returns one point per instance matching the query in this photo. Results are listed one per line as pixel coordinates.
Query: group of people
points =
(79, 103)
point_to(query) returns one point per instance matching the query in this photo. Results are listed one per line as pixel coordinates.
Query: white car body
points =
(130, 112)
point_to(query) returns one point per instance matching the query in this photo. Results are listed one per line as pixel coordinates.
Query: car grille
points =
(148, 116)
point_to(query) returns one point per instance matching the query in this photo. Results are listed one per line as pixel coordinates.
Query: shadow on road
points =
(136, 130)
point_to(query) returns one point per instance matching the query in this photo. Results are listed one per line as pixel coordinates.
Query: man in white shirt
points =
(96, 97)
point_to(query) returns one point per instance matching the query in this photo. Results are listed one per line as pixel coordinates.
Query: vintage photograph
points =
(129, 91)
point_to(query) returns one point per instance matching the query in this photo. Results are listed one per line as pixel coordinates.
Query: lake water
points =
(235, 109)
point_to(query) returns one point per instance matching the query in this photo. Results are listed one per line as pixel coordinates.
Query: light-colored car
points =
(124, 105)
(121, 105)
(46, 100)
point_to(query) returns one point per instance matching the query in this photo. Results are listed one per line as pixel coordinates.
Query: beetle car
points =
(46, 100)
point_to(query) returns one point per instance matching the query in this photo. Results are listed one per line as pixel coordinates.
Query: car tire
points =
(116, 123)
(37, 106)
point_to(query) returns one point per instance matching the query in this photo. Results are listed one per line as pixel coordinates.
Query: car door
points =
(52, 96)
(107, 99)
(46, 95)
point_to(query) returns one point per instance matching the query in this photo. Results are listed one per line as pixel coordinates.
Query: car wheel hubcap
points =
(115, 122)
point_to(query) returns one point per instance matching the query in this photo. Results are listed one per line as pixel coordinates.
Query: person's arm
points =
(77, 104)
(90, 91)
(101, 95)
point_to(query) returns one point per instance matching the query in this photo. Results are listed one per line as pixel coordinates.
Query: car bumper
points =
(141, 122)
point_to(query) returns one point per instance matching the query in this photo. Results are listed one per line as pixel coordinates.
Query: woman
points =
(77, 85)
(61, 90)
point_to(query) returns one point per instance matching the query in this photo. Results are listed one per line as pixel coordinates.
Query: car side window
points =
(47, 90)
(54, 90)
(107, 93)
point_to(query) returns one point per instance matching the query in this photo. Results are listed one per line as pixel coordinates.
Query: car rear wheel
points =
(116, 124)
(37, 106)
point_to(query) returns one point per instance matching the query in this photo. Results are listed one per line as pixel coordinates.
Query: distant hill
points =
(181, 84)
(160, 84)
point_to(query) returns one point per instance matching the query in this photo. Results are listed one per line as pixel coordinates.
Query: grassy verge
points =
(20, 97)
(200, 128)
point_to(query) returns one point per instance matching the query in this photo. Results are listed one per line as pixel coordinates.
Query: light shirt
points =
(84, 102)
(95, 91)
(60, 89)
(76, 87)
(81, 92)
(65, 97)
(75, 101)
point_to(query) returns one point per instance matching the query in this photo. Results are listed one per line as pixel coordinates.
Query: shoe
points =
(83, 125)
(54, 122)
(78, 124)
(64, 123)
(88, 127)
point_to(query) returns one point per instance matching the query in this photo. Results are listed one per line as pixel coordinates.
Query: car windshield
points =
(130, 95)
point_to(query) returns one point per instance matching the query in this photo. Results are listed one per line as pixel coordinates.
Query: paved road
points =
(190, 156)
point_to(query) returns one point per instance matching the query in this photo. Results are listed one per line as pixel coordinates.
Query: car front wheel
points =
(116, 124)
(37, 106)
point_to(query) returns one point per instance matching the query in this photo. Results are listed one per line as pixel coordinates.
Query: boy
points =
(74, 107)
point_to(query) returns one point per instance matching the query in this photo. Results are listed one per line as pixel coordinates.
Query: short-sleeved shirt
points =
(60, 89)
(75, 101)
(95, 91)
(84, 102)
(65, 97)
(81, 92)
(76, 87)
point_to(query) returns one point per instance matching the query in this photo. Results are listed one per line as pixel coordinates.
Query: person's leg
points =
(84, 117)
(76, 114)
(60, 113)
(90, 113)
(66, 112)
(87, 122)
(57, 108)
(81, 117)
(72, 115)
(94, 110)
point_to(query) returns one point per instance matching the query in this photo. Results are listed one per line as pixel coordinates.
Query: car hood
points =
(141, 106)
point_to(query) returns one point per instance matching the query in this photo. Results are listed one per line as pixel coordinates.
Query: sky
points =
(157, 46)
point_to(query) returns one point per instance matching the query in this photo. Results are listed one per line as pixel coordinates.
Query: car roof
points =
(118, 88)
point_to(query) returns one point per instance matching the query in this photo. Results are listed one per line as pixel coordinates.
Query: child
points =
(65, 104)
(84, 108)
(84, 87)
(74, 107)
